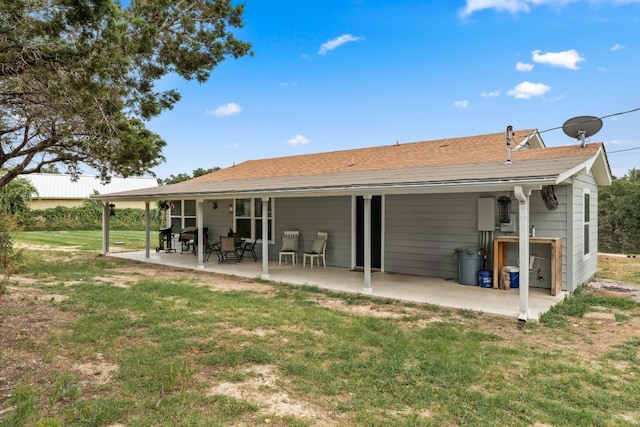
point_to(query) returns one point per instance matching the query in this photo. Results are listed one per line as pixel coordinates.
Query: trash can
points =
(469, 263)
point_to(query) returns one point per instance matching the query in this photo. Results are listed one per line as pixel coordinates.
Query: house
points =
(60, 190)
(408, 207)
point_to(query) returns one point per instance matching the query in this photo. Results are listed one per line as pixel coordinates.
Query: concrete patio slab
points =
(418, 289)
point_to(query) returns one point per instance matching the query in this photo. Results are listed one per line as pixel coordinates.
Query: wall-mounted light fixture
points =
(215, 204)
(112, 209)
(230, 208)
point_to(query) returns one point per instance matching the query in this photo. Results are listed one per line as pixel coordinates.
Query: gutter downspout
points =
(523, 210)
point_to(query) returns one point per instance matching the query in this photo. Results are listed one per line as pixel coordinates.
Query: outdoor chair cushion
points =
(289, 244)
(316, 248)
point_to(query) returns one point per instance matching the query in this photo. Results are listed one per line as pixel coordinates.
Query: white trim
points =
(354, 228)
(383, 203)
(586, 237)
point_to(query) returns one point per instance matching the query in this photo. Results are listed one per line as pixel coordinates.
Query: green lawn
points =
(89, 240)
(177, 348)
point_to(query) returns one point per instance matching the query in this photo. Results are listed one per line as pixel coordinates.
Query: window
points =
(248, 218)
(183, 214)
(587, 221)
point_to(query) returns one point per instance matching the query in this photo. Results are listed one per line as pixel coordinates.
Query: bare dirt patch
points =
(265, 388)
(614, 288)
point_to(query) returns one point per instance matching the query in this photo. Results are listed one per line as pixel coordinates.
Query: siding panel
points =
(423, 231)
(310, 215)
(584, 267)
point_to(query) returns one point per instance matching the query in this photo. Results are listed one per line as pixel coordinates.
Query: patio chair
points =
(227, 250)
(289, 247)
(249, 247)
(211, 248)
(317, 251)
(205, 239)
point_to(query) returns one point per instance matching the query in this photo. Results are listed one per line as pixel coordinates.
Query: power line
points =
(600, 118)
(626, 149)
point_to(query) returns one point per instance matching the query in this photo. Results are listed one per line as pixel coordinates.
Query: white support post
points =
(105, 228)
(354, 228)
(367, 245)
(523, 260)
(200, 225)
(265, 238)
(147, 231)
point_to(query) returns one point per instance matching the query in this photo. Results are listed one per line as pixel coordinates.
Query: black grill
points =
(165, 238)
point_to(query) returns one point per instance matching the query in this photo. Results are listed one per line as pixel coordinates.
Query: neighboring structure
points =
(59, 190)
(406, 208)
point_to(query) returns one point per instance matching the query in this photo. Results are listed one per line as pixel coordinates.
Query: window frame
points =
(178, 209)
(254, 217)
(586, 223)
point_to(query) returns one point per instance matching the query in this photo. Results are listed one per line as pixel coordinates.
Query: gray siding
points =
(584, 265)
(310, 215)
(423, 231)
(549, 224)
(218, 220)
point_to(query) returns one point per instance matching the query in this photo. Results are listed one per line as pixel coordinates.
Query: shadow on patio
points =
(418, 289)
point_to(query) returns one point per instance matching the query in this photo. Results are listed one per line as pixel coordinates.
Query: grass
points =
(86, 241)
(173, 343)
(619, 268)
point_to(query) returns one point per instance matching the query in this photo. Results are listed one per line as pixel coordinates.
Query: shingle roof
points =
(419, 166)
(454, 151)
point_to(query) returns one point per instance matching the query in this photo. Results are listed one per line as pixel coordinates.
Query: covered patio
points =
(418, 289)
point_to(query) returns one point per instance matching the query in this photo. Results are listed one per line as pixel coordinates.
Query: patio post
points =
(265, 238)
(105, 228)
(523, 260)
(367, 244)
(200, 224)
(147, 231)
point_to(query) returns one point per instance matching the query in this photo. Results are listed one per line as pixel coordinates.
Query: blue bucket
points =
(485, 278)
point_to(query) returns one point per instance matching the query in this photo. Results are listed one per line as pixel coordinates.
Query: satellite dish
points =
(582, 127)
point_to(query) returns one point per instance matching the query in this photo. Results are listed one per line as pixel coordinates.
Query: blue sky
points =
(340, 74)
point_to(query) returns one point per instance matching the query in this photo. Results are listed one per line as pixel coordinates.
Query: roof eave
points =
(431, 187)
(598, 165)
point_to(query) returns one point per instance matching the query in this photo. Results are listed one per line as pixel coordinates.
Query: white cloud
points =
(337, 42)
(566, 59)
(511, 6)
(461, 104)
(284, 84)
(524, 67)
(225, 110)
(516, 6)
(493, 94)
(527, 90)
(617, 46)
(297, 140)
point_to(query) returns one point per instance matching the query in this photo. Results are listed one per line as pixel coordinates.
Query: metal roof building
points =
(59, 189)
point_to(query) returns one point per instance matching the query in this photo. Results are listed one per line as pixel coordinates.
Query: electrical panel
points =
(486, 214)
